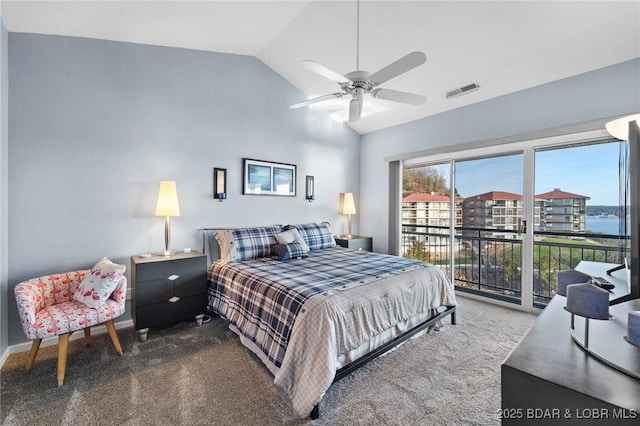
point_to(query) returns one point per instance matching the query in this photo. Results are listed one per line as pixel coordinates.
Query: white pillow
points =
(96, 287)
(292, 236)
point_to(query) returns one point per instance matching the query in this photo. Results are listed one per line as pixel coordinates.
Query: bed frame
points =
(363, 360)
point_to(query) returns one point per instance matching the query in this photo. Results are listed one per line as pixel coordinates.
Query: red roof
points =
(425, 197)
(557, 193)
(495, 195)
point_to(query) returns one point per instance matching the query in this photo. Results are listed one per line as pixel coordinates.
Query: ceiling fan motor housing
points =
(358, 83)
(358, 80)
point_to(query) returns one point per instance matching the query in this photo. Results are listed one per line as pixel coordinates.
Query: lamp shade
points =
(619, 128)
(167, 199)
(587, 300)
(633, 327)
(569, 277)
(347, 206)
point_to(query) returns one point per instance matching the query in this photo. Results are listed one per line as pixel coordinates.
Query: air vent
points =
(462, 90)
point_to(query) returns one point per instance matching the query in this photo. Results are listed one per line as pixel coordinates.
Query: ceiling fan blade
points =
(398, 67)
(398, 96)
(318, 99)
(355, 109)
(325, 72)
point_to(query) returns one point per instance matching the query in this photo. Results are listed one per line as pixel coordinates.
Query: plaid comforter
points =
(262, 297)
(300, 315)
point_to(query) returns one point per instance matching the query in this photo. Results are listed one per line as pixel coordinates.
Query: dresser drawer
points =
(159, 270)
(168, 289)
(159, 314)
(190, 285)
(156, 291)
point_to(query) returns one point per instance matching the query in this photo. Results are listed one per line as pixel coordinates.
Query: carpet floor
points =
(188, 375)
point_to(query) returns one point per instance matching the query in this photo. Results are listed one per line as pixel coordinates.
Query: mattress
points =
(305, 317)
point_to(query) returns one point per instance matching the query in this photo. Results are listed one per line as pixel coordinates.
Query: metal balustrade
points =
(488, 261)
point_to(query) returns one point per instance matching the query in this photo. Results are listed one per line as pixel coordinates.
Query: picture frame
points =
(269, 178)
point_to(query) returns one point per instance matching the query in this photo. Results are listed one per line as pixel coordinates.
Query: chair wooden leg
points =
(114, 336)
(87, 336)
(63, 343)
(32, 355)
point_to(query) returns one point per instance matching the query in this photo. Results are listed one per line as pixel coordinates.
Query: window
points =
(562, 188)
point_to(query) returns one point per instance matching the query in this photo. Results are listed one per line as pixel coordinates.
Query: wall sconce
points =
(220, 184)
(310, 193)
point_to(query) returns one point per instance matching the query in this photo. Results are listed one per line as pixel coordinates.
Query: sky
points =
(589, 170)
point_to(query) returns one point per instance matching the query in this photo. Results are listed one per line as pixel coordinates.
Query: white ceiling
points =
(504, 46)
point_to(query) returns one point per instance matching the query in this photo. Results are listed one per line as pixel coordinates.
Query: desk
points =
(548, 371)
(618, 278)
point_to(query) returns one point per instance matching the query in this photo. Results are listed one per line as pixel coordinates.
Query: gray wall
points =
(95, 125)
(603, 93)
(4, 170)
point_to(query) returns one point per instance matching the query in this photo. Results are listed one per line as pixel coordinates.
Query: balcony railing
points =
(488, 261)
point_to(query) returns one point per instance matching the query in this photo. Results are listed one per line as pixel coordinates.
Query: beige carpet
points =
(202, 376)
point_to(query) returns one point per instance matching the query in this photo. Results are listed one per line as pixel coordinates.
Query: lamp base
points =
(166, 253)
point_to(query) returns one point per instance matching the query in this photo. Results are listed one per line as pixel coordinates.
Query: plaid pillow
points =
(289, 251)
(251, 243)
(316, 235)
(246, 243)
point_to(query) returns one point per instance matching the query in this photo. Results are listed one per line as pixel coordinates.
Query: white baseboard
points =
(49, 341)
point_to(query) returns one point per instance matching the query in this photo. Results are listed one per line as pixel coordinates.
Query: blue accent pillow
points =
(316, 235)
(289, 251)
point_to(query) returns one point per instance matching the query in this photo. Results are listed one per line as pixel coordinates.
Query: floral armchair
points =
(49, 306)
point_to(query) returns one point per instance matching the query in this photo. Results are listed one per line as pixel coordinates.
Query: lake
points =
(607, 225)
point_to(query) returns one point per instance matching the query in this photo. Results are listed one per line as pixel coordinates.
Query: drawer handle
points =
(173, 277)
(174, 299)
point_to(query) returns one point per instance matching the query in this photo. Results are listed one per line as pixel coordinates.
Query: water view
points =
(605, 225)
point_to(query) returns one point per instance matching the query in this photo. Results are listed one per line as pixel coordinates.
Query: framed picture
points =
(269, 178)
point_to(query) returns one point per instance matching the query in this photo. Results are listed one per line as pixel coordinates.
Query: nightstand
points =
(167, 289)
(357, 242)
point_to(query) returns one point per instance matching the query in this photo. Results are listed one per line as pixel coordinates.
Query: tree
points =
(418, 251)
(423, 179)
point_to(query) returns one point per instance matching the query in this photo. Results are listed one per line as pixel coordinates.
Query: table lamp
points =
(348, 207)
(588, 301)
(167, 206)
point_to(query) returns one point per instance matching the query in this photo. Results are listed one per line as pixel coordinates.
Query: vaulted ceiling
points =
(503, 46)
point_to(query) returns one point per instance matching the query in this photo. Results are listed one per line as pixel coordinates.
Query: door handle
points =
(522, 226)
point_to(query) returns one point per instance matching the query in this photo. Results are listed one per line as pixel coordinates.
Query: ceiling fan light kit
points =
(359, 83)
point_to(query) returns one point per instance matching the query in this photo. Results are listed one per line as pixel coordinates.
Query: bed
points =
(313, 312)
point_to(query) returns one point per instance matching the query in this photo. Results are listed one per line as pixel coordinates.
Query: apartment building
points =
(563, 211)
(495, 210)
(423, 208)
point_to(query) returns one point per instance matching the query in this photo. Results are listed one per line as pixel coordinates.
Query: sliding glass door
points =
(583, 216)
(489, 240)
(426, 214)
(465, 216)
(502, 221)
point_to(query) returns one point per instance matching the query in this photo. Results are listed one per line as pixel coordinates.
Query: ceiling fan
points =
(358, 83)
